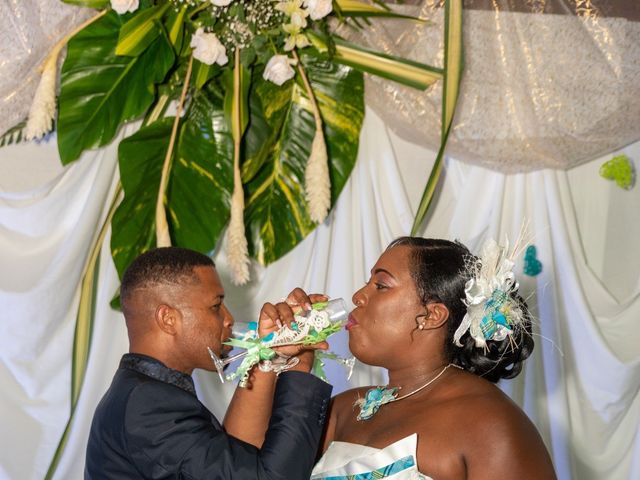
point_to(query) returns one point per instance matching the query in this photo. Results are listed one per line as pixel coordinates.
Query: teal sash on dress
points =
(382, 472)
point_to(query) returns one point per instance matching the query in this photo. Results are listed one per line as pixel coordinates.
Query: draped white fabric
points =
(580, 387)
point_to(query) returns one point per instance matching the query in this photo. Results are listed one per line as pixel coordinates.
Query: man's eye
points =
(380, 286)
(216, 306)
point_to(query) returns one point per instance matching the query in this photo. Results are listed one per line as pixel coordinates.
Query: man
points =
(150, 424)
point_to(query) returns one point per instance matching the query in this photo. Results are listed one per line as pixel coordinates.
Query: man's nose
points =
(228, 318)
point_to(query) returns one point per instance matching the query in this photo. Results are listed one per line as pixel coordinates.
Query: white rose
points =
(221, 3)
(124, 6)
(208, 49)
(318, 8)
(278, 69)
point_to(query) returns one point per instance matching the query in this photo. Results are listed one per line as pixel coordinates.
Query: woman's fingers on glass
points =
(315, 346)
(318, 297)
(298, 298)
(269, 319)
(285, 313)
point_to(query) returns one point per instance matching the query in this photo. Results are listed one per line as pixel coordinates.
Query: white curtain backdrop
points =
(580, 387)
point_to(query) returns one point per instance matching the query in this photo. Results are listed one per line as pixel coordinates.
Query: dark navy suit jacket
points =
(150, 425)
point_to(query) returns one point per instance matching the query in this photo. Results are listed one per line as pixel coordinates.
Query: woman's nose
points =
(358, 298)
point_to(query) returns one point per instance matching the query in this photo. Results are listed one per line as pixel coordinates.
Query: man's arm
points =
(168, 432)
(248, 414)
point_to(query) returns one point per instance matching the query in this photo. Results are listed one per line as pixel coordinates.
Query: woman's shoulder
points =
(484, 416)
(472, 397)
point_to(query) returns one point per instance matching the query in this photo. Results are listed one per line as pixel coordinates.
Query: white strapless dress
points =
(350, 461)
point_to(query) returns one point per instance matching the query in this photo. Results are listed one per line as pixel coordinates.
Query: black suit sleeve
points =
(181, 439)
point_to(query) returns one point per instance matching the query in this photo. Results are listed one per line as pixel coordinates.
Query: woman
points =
(444, 348)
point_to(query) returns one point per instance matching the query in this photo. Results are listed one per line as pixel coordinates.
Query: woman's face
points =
(381, 325)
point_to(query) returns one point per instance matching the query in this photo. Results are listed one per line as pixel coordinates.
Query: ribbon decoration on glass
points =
(309, 327)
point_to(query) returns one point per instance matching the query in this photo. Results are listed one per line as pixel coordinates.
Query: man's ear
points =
(435, 317)
(167, 319)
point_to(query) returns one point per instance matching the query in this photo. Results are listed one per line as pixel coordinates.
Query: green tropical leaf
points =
(236, 106)
(407, 72)
(357, 8)
(101, 90)
(202, 174)
(88, 3)
(278, 143)
(138, 33)
(174, 24)
(454, 63)
(199, 186)
(202, 73)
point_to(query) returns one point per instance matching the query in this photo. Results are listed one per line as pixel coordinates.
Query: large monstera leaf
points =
(277, 146)
(200, 185)
(100, 90)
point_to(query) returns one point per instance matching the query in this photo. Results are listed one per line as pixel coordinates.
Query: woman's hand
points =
(275, 316)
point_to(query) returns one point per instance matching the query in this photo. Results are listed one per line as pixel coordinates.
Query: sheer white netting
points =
(540, 90)
(28, 31)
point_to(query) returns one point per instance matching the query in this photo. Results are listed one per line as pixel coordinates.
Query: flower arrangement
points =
(269, 105)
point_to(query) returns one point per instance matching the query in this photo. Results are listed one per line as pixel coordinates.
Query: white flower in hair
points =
(491, 311)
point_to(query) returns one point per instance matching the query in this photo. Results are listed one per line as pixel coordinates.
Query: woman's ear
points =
(167, 319)
(435, 317)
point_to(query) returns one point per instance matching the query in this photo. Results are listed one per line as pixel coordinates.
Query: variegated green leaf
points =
(407, 72)
(453, 57)
(199, 186)
(101, 90)
(358, 8)
(277, 146)
(138, 33)
(88, 3)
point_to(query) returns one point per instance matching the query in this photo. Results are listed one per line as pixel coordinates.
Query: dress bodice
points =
(350, 461)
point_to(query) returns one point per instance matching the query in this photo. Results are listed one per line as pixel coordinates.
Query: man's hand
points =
(273, 317)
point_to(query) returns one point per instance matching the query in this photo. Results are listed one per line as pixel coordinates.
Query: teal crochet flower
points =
(532, 266)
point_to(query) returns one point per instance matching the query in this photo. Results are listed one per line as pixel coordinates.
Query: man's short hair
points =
(173, 265)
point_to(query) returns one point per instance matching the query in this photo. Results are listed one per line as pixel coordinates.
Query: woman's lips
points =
(351, 322)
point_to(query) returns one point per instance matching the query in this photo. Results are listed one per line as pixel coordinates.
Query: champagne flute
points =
(336, 308)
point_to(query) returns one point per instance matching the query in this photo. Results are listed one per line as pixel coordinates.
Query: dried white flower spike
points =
(237, 251)
(316, 179)
(43, 107)
(316, 176)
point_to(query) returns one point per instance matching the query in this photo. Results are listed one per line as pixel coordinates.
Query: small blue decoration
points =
(532, 266)
(374, 399)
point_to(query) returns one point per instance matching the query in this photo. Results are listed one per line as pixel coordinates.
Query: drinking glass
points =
(338, 313)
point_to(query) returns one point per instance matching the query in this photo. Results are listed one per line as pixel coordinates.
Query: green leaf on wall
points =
(100, 90)
(277, 146)
(199, 186)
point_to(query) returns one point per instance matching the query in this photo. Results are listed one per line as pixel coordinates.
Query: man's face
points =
(206, 322)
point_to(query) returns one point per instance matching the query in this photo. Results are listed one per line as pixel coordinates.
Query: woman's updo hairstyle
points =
(438, 268)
